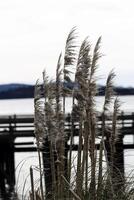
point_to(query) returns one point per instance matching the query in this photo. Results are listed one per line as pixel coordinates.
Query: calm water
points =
(23, 161)
(25, 106)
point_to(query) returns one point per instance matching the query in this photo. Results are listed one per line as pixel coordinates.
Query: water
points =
(23, 161)
(26, 106)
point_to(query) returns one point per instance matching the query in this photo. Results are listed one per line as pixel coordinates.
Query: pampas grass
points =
(90, 179)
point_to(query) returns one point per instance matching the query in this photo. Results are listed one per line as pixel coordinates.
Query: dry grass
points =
(92, 180)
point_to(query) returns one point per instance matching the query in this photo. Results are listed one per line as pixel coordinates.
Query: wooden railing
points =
(20, 126)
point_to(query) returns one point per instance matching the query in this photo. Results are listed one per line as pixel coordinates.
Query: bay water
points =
(23, 161)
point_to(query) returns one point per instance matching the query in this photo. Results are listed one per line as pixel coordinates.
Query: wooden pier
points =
(22, 126)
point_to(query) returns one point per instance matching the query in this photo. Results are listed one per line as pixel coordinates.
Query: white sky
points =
(33, 33)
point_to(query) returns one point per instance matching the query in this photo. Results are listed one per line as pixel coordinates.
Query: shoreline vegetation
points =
(93, 174)
(20, 91)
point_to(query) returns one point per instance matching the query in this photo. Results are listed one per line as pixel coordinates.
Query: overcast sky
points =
(33, 33)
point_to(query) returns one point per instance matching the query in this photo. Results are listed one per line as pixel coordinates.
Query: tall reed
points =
(92, 180)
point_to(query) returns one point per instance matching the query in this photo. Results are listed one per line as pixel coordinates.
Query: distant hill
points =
(6, 87)
(118, 90)
(15, 90)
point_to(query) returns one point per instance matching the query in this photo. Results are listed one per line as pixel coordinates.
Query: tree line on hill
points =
(15, 91)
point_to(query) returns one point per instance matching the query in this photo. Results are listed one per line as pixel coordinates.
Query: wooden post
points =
(2, 174)
(7, 169)
(10, 163)
(10, 167)
(118, 164)
(119, 161)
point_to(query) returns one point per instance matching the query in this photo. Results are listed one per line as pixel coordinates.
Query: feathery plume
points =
(69, 61)
(96, 57)
(58, 87)
(70, 53)
(39, 115)
(109, 92)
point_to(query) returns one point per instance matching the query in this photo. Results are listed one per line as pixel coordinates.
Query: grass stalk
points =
(32, 183)
(100, 176)
(40, 170)
(72, 192)
(79, 181)
(53, 171)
